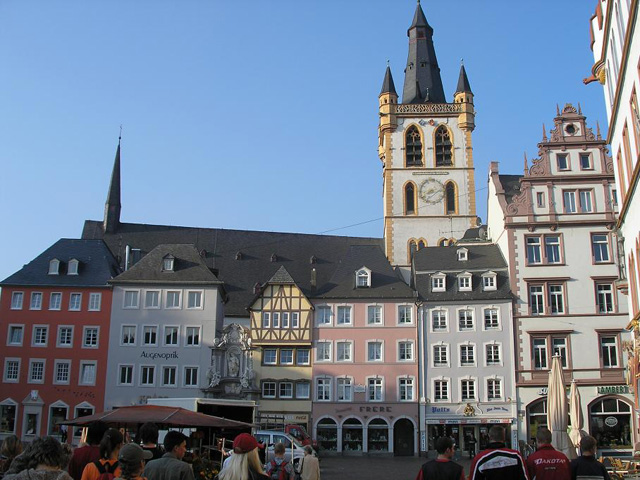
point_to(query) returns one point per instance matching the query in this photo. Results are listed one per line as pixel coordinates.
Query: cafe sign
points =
(613, 389)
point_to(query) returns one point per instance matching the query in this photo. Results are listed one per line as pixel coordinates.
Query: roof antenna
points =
(388, 64)
(120, 136)
(462, 62)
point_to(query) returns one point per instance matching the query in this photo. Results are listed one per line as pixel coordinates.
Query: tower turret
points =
(422, 82)
(387, 100)
(463, 95)
(112, 206)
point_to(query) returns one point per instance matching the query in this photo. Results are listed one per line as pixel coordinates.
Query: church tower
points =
(426, 152)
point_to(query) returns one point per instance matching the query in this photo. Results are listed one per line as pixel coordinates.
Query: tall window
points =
(465, 319)
(169, 376)
(404, 315)
(468, 389)
(406, 389)
(409, 199)
(439, 320)
(450, 197)
(533, 250)
(36, 301)
(600, 247)
(90, 337)
(604, 297)
(344, 315)
(586, 204)
(609, 352)
(556, 299)
(405, 351)
(467, 355)
(75, 301)
(130, 299)
(374, 351)
(375, 390)
(563, 161)
(441, 390)
(191, 376)
(323, 351)
(55, 300)
(444, 150)
(493, 354)
(193, 336)
(540, 353)
(491, 320)
(536, 299)
(16, 300)
(323, 315)
(440, 357)
(149, 335)
(559, 345)
(374, 315)
(494, 389)
(268, 389)
(95, 299)
(323, 389)
(345, 389)
(552, 248)
(569, 197)
(344, 351)
(413, 148)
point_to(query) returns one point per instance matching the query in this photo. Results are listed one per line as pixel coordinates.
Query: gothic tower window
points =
(413, 248)
(413, 147)
(444, 149)
(410, 199)
(450, 198)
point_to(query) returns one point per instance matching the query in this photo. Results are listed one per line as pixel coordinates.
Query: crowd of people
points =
(497, 462)
(106, 456)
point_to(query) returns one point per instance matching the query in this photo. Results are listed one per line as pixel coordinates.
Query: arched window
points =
(413, 147)
(327, 432)
(444, 150)
(378, 435)
(421, 244)
(450, 198)
(410, 199)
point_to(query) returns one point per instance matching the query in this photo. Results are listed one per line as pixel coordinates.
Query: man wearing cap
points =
(170, 466)
(131, 460)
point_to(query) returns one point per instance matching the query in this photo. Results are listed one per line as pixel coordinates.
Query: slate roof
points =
(96, 266)
(481, 259)
(188, 267)
(387, 84)
(463, 82)
(385, 282)
(218, 249)
(511, 185)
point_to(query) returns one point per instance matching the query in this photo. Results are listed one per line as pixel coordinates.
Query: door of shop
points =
(470, 439)
(403, 438)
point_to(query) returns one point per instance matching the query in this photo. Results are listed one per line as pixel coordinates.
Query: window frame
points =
(131, 370)
(152, 330)
(91, 307)
(200, 295)
(616, 349)
(88, 363)
(348, 358)
(497, 381)
(465, 282)
(472, 382)
(438, 282)
(410, 385)
(445, 316)
(263, 387)
(378, 389)
(344, 384)
(264, 356)
(327, 312)
(59, 338)
(193, 328)
(494, 346)
(10, 328)
(127, 297)
(400, 317)
(52, 303)
(443, 382)
(122, 336)
(440, 347)
(176, 332)
(150, 306)
(5, 369)
(175, 374)
(170, 294)
(370, 343)
(34, 336)
(600, 244)
(379, 317)
(567, 162)
(498, 322)
(73, 306)
(489, 281)
(326, 383)
(284, 361)
(459, 313)
(85, 330)
(327, 346)
(468, 346)
(32, 362)
(611, 294)
(406, 343)
(344, 321)
(56, 364)
(17, 300)
(143, 381)
(35, 305)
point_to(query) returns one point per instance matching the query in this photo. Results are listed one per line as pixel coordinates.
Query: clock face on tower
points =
(431, 191)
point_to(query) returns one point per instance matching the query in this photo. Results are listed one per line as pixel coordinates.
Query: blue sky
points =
(253, 114)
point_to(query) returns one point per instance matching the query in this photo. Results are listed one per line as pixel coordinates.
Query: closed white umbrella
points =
(575, 412)
(557, 408)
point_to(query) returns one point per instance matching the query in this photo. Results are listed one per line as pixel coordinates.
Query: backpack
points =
(106, 471)
(278, 472)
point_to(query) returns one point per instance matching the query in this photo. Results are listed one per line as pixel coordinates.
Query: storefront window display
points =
(7, 418)
(327, 433)
(57, 415)
(611, 423)
(378, 436)
(352, 435)
(537, 413)
(437, 431)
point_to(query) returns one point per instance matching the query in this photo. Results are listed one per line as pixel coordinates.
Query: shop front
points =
(607, 413)
(366, 429)
(468, 427)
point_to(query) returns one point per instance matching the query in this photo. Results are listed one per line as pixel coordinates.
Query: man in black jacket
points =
(442, 468)
(586, 466)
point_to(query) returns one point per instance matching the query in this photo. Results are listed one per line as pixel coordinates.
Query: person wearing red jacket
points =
(547, 463)
(498, 462)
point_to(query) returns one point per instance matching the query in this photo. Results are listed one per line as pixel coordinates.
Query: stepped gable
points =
(96, 265)
(385, 283)
(240, 258)
(481, 259)
(189, 267)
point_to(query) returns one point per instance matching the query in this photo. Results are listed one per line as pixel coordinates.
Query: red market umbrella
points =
(160, 415)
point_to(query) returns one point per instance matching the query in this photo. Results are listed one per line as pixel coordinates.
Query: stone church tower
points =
(426, 152)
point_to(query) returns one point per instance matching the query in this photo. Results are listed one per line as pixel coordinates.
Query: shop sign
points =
(497, 409)
(440, 410)
(613, 389)
(611, 421)
(297, 417)
(543, 391)
(359, 388)
(162, 356)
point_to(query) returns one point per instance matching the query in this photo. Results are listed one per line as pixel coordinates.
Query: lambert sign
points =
(614, 389)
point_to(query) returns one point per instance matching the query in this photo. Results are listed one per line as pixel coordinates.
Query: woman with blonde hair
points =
(244, 464)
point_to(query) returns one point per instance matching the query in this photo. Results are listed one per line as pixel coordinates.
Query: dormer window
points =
(489, 281)
(168, 263)
(72, 268)
(238, 255)
(463, 254)
(464, 282)
(363, 278)
(438, 282)
(54, 267)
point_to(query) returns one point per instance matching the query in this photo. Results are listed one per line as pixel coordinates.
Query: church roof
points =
(387, 83)
(262, 254)
(463, 82)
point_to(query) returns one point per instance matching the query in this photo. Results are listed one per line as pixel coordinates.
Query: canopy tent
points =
(163, 416)
(557, 409)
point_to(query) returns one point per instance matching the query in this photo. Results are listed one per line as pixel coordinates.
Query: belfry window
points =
(444, 150)
(409, 199)
(413, 147)
(450, 196)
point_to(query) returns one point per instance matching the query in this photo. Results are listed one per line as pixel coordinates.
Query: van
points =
(292, 446)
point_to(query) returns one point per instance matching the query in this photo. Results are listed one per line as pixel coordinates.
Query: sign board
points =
(359, 388)
(612, 389)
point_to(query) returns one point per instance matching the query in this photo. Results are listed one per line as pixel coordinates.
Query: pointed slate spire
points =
(422, 74)
(387, 84)
(112, 206)
(463, 81)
